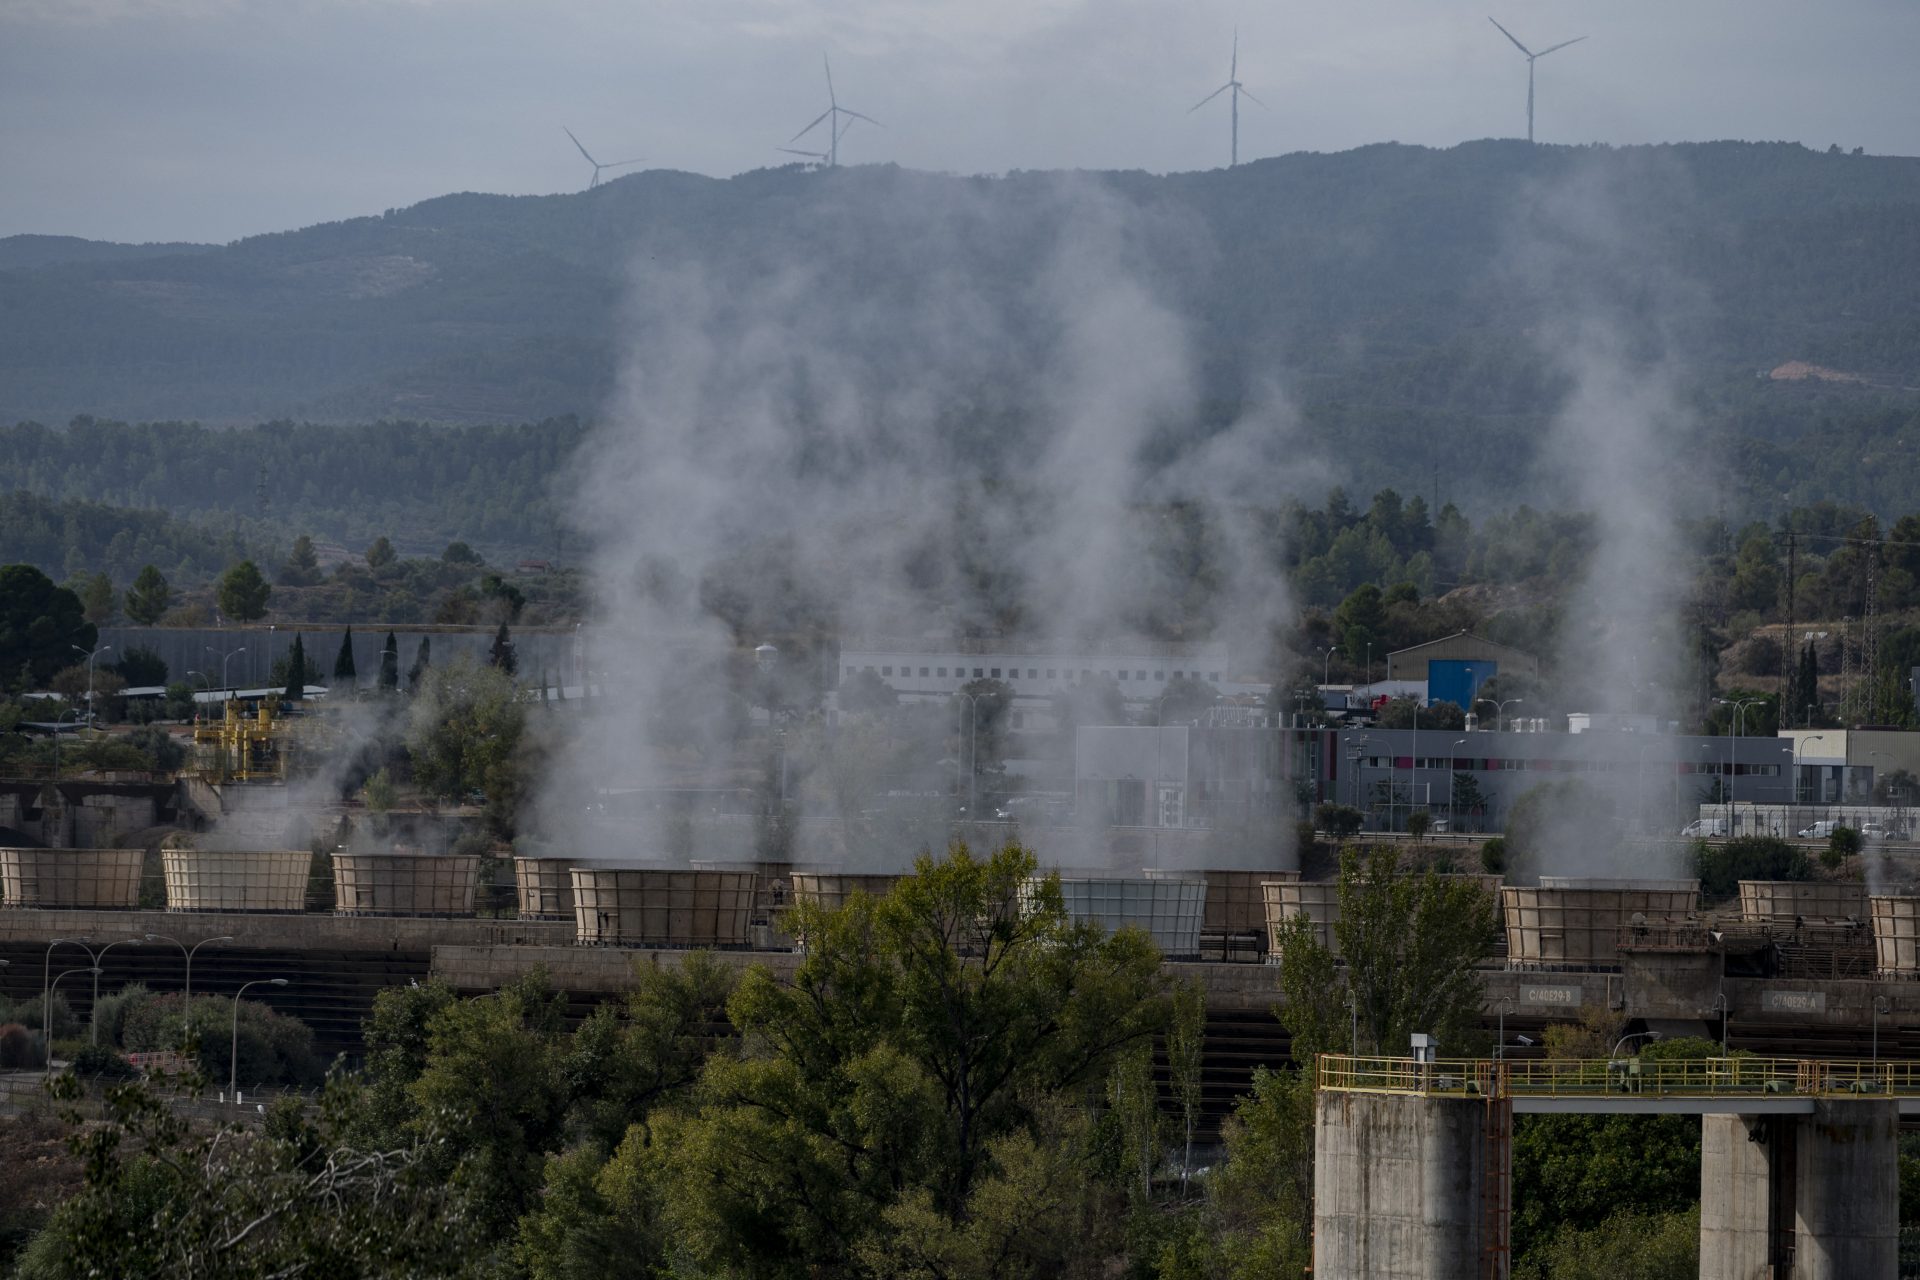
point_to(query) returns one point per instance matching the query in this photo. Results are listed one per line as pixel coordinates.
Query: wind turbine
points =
(833, 113)
(1533, 57)
(597, 166)
(1239, 91)
(818, 157)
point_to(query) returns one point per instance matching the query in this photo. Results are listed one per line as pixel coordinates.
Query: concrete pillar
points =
(1399, 1183)
(1847, 1202)
(1736, 1179)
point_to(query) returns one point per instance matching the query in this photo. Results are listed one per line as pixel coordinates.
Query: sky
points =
(209, 120)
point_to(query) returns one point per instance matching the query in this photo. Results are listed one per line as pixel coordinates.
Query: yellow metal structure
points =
(242, 748)
(1658, 1078)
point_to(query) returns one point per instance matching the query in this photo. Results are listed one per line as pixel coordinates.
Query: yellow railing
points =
(1663, 1077)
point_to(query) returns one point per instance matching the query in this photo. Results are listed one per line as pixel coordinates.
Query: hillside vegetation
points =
(1382, 289)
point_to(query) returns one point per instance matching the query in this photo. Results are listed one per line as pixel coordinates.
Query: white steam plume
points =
(870, 457)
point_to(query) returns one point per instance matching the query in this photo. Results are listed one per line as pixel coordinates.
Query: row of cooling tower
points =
(1560, 923)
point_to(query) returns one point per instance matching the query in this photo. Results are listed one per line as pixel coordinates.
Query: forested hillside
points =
(1377, 289)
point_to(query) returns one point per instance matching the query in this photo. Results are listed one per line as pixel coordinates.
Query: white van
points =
(1820, 830)
(1705, 827)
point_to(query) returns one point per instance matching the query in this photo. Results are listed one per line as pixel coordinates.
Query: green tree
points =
(298, 672)
(422, 659)
(149, 598)
(97, 597)
(465, 734)
(164, 1196)
(40, 624)
(461, 554)
(381, 554)
(1358, 621)
(344, 675)
(1263, 1194)
(501, 655)
(389, 679)
(1410, 944)
(303, 564)
(141, 665)
(918, 1032)
(242, 592)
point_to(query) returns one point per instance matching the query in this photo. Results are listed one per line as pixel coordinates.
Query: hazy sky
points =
(213, 119)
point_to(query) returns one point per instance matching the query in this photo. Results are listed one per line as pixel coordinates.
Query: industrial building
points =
(927, 669)
(1454, 667)
(1841, 766)
(1184, 775)
(1391, 772)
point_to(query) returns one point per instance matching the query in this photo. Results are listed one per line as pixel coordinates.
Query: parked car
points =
(1819, 830)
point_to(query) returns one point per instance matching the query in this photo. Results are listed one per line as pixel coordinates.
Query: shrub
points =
(1418, 822)
(1493, 856)
(97, 1061)
(1842, 844)
(1341, 821)
(1721, 868)
(18, 1048)
(273, 1048)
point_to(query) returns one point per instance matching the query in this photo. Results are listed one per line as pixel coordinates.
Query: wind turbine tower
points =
(597, 166)
(832, 116)
(1238, 91)
(1533, 57)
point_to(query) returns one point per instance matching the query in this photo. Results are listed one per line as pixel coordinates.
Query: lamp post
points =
(1499, 709)
(973, 742)
(92, 969)
(225, 658)
(1796, 762)
(1500, 1044)
(186, 1000)
(1880, 1005)
(93, 1013)
(46, 987)
(91, 654)
(1326, 661)
(767, 658)
(1453, 819)
(233, 1063)
(70, 711)
(1649, 1035)
(1739, 706)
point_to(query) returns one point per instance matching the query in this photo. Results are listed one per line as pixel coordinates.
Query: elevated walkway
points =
(1799, 1172)
(1742, 1085)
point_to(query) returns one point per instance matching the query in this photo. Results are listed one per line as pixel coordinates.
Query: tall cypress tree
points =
(390, 664)
(343, 672)
(296, 672)
(421, 659)
(502, 654)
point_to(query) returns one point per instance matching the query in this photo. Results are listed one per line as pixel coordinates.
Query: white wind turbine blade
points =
(829, 66)
(858, 116)
(810, 128)
(1250, 97)
(1516, 43)
(1563, 44)
(621, 164)
(1210, 97)
(576, 142)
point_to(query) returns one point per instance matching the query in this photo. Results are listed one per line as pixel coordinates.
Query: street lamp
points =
(91, 654)
(93, 1013)
(46, 987)
(233, 1064)
(1499, 709)
(1649, 1035)
(973, 742)
(95, 971)
(1500, 1044)
(186, 1006)
(1796, 763)
(1880, 1005)
(1326, 661)
(1739, 706)
(70, 711)
(1453, 819)
(225, 658)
